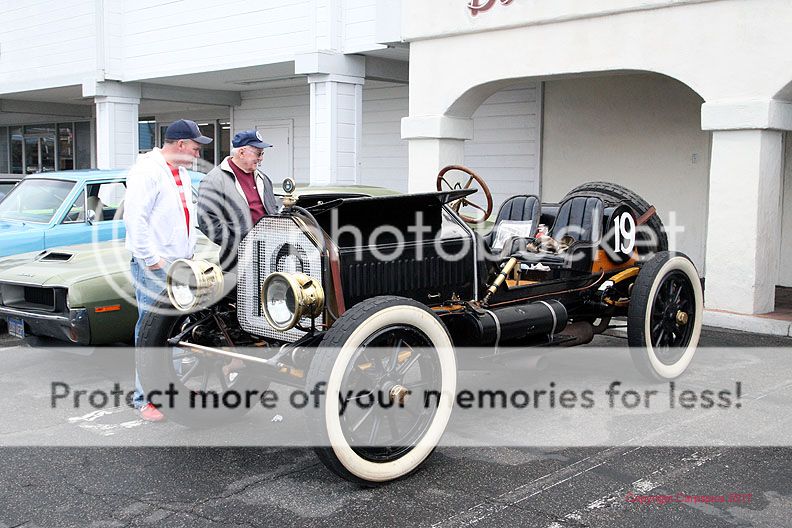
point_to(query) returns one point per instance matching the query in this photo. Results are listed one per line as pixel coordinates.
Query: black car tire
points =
(154, 361)
(335, 362)
(613, 194)
(660, 346)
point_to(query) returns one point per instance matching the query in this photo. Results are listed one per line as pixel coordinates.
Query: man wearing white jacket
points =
(160, 217)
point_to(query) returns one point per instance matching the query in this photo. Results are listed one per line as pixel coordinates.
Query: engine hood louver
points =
(55, 256)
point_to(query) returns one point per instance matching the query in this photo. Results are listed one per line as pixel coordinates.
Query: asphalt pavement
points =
(549, 487)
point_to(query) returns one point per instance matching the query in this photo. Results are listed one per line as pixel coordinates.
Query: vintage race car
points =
(82, 294)
(348, 295)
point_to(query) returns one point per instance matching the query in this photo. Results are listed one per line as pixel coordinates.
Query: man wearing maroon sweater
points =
(234, 196)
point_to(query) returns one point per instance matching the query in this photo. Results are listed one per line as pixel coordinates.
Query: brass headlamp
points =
(194, 284)
(288, 297)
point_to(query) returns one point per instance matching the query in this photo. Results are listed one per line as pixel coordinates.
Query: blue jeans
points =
(149, 288)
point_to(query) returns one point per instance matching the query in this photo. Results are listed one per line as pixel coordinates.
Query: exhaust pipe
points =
(514, 323)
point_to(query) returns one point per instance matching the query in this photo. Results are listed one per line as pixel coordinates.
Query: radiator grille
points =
(40, 296)
(33, 297)
(274, 244)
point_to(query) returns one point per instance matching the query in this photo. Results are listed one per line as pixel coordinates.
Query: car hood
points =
(14, 228)
(67, 265)
(362, 189)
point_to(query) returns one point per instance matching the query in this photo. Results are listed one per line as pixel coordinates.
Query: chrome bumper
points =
(73, 326)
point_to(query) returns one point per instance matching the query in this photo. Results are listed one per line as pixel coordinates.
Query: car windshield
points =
(5, 187)
(35, 200)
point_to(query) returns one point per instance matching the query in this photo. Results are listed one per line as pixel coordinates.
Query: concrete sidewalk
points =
(766, 324)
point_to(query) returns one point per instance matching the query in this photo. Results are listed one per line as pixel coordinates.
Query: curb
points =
(733, 321)
(748, 323)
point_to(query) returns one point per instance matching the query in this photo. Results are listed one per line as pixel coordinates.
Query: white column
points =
(336, 114)
(744, 226)
(116, 132)
(116, 122)
(434, 142)
(336, 128)
(427, 157)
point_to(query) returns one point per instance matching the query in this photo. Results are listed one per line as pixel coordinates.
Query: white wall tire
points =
(661, 347)
(331, 364)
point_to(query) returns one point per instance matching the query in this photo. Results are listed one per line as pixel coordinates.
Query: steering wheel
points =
(447, 182)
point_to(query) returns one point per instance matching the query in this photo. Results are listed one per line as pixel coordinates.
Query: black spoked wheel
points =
(664, 320)
(209, 389)
(383, 419)
(673, 316)
(390, 375)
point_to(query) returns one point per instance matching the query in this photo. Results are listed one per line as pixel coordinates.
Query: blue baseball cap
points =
(186, 129)
(249, 138)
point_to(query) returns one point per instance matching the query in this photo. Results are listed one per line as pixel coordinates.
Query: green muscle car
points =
(82, 294)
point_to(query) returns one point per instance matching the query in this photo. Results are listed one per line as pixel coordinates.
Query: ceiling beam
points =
(390, 70)
(17, 106)
(178, 94)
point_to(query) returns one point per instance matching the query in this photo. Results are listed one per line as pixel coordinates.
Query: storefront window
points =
(39, 148)
(46, 148)
(147, 134)
(224, 140)
(31, 154)
(4, 150)
(82, 145)
(65, 146)
(208, 151)
(17, 150)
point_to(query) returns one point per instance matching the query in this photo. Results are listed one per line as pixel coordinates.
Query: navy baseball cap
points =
(249, 138)
(186, 129)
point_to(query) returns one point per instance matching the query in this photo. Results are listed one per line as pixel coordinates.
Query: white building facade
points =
(685, 101)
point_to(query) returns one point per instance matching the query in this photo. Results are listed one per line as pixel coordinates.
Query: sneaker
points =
(151, 414)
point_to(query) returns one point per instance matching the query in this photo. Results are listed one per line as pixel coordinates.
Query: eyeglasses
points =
(256, 154)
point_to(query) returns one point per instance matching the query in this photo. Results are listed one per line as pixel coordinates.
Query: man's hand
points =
(159, 265)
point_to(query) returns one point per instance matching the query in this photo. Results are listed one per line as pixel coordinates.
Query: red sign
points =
(479, 6)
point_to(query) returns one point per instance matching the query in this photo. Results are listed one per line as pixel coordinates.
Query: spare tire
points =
(612, 193)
